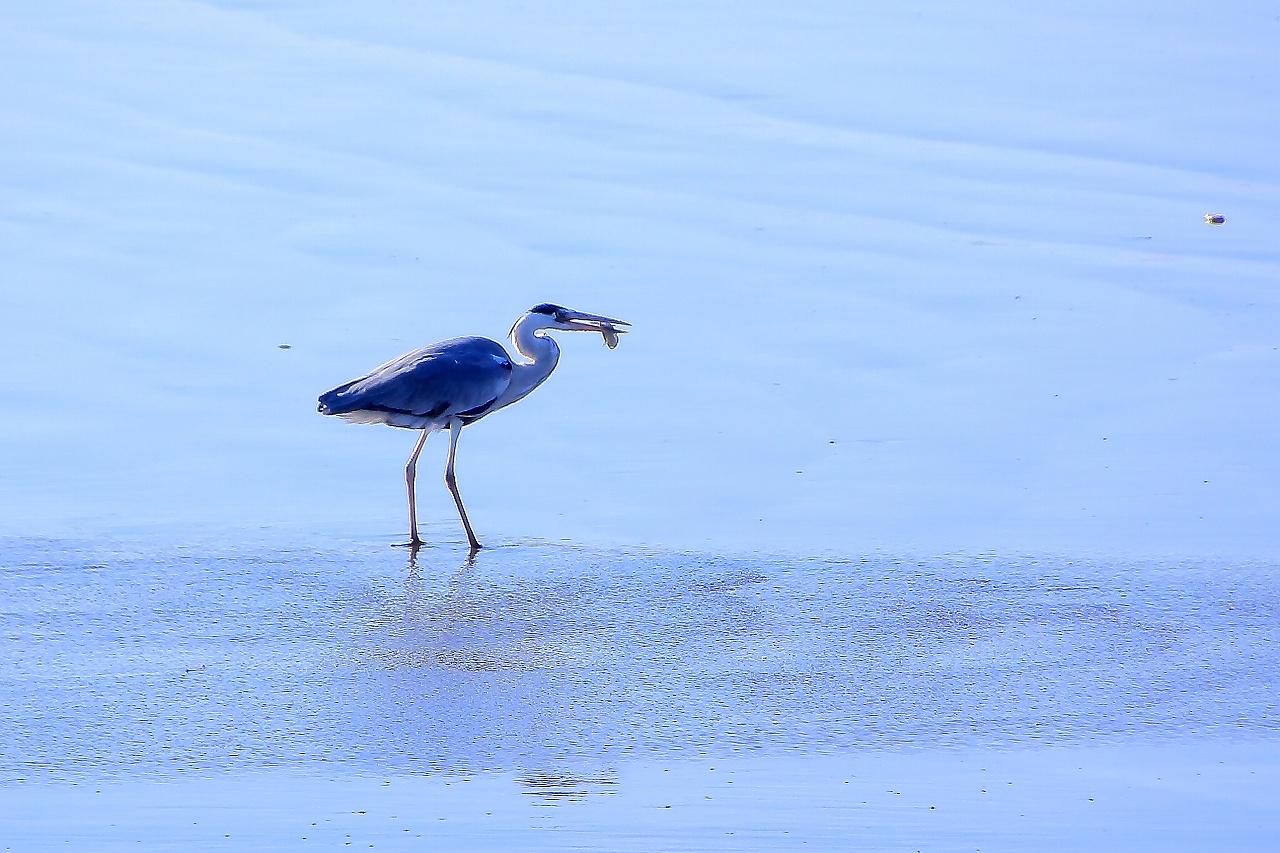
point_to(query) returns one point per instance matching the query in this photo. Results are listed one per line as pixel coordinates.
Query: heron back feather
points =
(460, 377)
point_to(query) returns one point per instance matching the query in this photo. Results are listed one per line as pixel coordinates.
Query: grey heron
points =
(453, 383)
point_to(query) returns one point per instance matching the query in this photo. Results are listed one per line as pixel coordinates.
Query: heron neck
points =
(542, 353)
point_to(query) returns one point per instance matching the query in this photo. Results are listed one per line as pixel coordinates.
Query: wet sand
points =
(1188, 796)
(548, 697)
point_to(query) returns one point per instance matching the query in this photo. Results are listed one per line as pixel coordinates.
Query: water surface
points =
(130, 659)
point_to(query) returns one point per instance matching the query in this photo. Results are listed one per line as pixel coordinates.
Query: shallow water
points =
(130, 659)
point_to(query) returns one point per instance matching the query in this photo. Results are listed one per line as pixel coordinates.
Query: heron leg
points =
(455, 428)
(410, 474)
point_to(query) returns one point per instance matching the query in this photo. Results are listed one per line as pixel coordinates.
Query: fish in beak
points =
(577, 321)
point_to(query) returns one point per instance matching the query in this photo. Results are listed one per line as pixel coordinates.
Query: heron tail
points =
(331, 402)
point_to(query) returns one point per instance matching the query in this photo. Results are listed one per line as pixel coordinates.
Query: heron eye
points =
(561, 318)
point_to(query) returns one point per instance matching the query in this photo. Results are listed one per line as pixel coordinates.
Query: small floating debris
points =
(285, 346)
(1214, 219)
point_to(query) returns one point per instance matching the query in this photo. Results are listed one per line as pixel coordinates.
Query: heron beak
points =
(576, 321)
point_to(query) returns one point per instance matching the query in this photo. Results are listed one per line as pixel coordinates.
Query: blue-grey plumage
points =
(424, 389)
(450, 384)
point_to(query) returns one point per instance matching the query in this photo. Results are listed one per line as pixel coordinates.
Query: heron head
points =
(551, 316)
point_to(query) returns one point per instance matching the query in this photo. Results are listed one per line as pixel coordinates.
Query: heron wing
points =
(457, 377)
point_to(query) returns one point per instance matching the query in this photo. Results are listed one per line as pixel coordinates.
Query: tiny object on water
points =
(285, 346)
(1214, 219)
(610, 335)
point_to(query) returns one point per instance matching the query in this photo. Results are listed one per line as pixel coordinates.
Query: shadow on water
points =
(560, 659)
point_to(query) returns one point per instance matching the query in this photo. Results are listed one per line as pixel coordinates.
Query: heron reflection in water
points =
(453, 383)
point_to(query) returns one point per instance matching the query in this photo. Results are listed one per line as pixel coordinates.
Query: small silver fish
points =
(610, 335)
